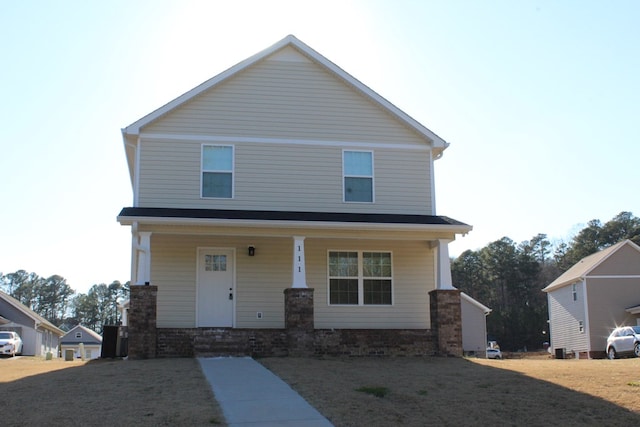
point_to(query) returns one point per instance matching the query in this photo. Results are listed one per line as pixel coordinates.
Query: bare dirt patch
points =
(160, 392)
(451, 391)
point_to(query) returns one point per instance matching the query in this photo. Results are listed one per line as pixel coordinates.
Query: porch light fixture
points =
(252, 250)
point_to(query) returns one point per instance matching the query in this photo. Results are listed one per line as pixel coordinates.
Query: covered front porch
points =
(363, 283)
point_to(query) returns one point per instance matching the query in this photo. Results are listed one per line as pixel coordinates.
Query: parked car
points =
(10, 343)
(494, 353)
(624, 341)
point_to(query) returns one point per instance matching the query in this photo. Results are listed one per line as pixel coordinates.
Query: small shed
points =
(474, 326)
(84, 343)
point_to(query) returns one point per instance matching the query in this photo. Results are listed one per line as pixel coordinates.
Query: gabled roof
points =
(88, 336)
(583, 267)
(131, 132)
(38, 320)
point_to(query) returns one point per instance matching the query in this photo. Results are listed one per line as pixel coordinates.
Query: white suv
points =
(624, 340)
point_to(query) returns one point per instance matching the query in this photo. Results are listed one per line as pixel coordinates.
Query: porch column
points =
(299, 269)
(143, 255)
(443, 278)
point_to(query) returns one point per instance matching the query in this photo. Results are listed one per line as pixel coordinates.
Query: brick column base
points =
(298, 320)
(446, 321)
(142, 322)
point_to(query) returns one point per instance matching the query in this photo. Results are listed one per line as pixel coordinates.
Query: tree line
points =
(53, 299)
(508, 277)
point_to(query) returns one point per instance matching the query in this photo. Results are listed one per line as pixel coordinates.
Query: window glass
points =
(215, 263)
(217, 171)
(360, 278)
(358, 189)
(358, 176)
(343, 264)
(377, 291)
(343, 291)
(217, 158)
(216, 184)
(358, 163)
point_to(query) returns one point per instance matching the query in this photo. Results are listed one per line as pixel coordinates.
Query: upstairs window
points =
(357, 167)
(217, 171)
(574, 292)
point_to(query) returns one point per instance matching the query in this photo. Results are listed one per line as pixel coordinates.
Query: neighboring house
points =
(284, 174)
(80, 339)
(474, 326)
(594, 296)
(39, 336)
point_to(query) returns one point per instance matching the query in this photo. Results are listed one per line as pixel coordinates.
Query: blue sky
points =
(539, 100)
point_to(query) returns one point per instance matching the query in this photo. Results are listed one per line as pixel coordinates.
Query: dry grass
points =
(415, 391)
(161, 392)
(441, 391)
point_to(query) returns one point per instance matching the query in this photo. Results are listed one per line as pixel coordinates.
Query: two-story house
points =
(593, 297)
(285, 195)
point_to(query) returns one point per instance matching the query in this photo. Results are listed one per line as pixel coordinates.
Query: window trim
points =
(232, 171)
(78, 334)
(361, 278)
(574, 291)
(372, 177)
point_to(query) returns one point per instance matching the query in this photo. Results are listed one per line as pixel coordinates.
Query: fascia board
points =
(455, 229)
(569, 281)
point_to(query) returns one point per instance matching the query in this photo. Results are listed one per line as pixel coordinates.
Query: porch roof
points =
(130, 215)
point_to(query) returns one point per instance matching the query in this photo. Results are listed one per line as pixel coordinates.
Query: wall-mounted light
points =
(252, 250)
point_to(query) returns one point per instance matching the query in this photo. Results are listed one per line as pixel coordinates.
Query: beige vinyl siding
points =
(285, 99)
(293, 177)
(314, 115)
(173, 270)
(608, 299)
(413, 278)
(262, 279)
(565, 317)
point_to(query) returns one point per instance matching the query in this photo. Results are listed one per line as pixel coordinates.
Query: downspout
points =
(587, 327)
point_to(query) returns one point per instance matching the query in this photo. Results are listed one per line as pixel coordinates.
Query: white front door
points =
(215, 287)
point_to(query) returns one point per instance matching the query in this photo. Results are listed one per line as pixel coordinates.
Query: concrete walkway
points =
(251, 395)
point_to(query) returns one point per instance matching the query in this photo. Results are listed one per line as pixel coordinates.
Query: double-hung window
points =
(360, 278)
(357, 167)
(217, 171)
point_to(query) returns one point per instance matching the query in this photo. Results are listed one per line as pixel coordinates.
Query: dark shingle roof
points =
(290, 216)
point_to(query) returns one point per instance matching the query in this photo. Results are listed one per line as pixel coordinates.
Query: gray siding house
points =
(285, 175)
(83, 342)
(39, 336)
(594, 296)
